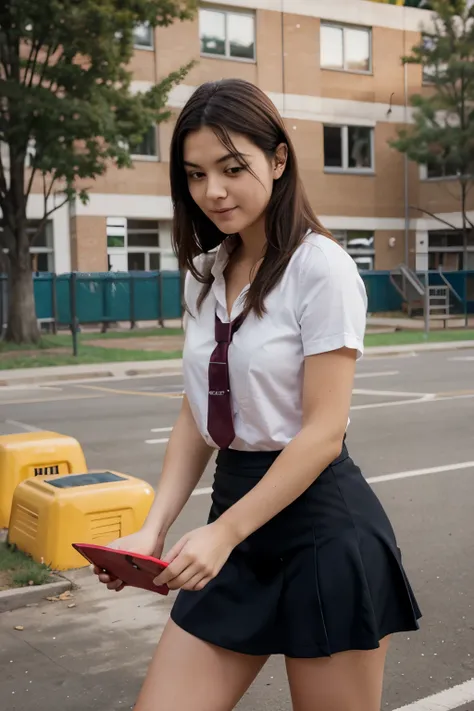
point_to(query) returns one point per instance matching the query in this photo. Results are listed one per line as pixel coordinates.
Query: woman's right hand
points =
(143, 542)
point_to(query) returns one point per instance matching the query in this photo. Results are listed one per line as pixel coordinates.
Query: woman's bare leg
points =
(187, 674)
(350, 681)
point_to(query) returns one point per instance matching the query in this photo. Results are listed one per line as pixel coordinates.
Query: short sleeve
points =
(333, 301)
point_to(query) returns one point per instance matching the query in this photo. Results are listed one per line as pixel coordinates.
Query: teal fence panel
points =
(172, 289)
(44, 296)
(382, 295)
(63, 299)
(151, 296)
(110, 296)
(146, 289)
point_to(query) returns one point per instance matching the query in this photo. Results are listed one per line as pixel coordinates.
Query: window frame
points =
(356, 251)
(344, 28)
(345, 169)
(226, 12)
(120, 227)
(147, 47)
(149, 157)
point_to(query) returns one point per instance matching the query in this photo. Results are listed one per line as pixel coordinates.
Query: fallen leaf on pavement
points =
(20, 628)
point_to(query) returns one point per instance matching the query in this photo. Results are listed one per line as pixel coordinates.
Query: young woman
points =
(298, 557)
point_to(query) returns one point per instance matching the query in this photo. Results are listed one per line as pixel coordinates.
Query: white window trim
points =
(227, 56)
(343, 27)
(145, 158)
(423, 175)
(146, 47)
(138, 157)
(344, 169)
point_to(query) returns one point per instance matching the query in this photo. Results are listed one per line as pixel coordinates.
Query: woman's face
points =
(226, 192)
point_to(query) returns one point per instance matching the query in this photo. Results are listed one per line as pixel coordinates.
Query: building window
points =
(147, 146)
(360, 245)
(349, 148)
(41, 251)
(135, 245)
(347, 49)
(445, 250)
(227, 34)
(440, 171)
(143, 36)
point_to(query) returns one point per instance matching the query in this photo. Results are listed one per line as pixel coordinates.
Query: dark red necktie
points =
(220, 421)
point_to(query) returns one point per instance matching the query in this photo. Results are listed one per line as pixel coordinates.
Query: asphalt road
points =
(412, 423)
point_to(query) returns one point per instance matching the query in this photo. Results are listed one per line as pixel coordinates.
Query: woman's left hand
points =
(198, 557)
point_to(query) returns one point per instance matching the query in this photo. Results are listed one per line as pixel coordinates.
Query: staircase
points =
(410, 288)
(413, 291)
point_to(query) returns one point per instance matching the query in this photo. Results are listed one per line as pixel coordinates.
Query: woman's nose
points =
(215, 188)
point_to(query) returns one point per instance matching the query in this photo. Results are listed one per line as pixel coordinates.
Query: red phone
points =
(133, 569)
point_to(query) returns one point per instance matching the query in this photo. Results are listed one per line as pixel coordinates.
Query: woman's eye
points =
(195, 175)
(235, 170)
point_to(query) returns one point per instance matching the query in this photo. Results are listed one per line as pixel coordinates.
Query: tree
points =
(66, 112)
(442, 136)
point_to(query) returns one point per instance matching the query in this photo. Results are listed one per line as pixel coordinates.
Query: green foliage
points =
(21, 569)
(66, 87)
(443, 131)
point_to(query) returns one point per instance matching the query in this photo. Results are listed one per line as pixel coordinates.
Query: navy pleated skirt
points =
(324, 576)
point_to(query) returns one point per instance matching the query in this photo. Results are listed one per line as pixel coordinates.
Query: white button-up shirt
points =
(319, 305)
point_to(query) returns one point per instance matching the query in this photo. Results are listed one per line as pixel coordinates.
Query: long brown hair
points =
(237, 106)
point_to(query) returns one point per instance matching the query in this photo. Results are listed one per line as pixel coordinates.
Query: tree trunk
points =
(22, 326)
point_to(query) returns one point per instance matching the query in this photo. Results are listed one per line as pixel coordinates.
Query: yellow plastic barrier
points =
(50, 513)
(34, 454)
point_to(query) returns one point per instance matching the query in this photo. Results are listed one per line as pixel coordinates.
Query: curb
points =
(120, 370)
(21, 597)
(29, 380)
(434, 347)
(108, 373)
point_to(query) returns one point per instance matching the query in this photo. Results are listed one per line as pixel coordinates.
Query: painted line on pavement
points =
(386, 477)
(416, 401)
(23, 426)
(157, 441)
(201, 492)
(379, 374)
(421, 472)
(359, 391)
(33, 401)
(140, 393)
(444, 700)
(162, 429)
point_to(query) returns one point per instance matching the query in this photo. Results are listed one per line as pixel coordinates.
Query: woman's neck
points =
(253, 242)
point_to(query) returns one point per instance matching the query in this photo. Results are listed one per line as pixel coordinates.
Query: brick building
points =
(333, 68)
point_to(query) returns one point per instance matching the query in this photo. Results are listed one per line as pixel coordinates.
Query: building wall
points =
(89, 244)
(287, 67)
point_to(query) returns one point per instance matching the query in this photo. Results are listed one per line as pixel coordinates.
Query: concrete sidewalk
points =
(79, 373)
(92, 656)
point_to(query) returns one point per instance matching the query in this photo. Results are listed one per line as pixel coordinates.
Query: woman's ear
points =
(280, 160)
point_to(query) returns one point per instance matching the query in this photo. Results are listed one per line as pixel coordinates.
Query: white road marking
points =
(462, 358)
(23, 426)
(421, 472)
(162, 429)
(358, 391)
(394, 403)
(445, 700)
(386, 477)
(157, 441)
(380, 374)
(201, 492)
(416, 401)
